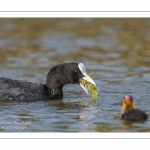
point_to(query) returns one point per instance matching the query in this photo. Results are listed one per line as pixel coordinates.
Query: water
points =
(116, 50)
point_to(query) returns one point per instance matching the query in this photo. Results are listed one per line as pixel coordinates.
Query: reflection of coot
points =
(58, 76)
(130, 112)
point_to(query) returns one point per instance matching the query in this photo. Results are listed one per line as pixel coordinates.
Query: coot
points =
(58, 76)
(130, 112)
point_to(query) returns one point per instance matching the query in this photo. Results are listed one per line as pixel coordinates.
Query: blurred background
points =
(117, 50)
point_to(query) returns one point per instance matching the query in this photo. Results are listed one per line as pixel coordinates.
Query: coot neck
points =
(56, 93)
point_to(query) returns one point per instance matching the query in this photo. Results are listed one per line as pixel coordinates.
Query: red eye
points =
(77, 72)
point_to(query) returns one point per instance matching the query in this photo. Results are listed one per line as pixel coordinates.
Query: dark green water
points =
(116, 50)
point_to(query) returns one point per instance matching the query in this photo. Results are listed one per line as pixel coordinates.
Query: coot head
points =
(66, 73)
(127, 102)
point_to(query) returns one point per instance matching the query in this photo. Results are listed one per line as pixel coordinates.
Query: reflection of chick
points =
(130, 112)
(127, 125)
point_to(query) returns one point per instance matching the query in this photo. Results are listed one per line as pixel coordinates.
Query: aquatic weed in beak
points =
(91, 87)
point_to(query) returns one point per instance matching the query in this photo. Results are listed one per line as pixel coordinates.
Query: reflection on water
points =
(116, 50)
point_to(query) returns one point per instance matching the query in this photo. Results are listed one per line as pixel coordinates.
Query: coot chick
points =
(130, 112)
(58, 76)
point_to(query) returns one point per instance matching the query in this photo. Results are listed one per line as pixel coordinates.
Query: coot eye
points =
(77, 72)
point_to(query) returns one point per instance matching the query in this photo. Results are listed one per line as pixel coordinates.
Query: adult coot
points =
(58, 76)
(130, 112)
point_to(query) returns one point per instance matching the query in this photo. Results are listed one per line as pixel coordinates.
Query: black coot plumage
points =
(130, 112)
(58, 76)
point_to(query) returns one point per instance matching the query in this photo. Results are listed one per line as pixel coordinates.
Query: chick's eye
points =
(125, 102)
